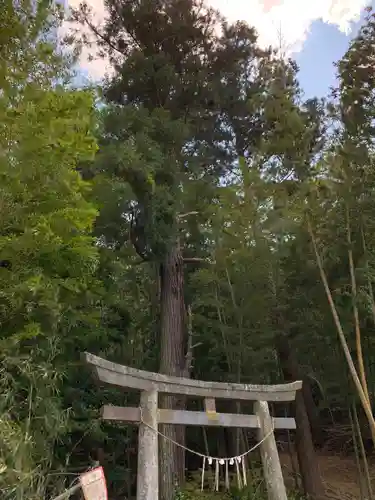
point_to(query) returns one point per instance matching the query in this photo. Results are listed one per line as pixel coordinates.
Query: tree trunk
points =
(172, 362)
(312, 413)
(308, 463)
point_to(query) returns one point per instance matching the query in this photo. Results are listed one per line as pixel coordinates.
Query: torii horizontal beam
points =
(194, 418)
(127, 377)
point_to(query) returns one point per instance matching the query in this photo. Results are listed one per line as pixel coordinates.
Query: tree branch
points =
(183, 216)
(99, 35)
(195, 260)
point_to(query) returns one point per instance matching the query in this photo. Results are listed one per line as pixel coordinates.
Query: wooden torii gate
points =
(148, 416)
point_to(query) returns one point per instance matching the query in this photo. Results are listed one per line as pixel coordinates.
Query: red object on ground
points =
(94, 485)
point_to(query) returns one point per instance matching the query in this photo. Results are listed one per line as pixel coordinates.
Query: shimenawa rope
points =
(218, 460)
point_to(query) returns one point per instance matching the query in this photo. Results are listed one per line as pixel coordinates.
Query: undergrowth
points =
(255, 490)
(248, 493)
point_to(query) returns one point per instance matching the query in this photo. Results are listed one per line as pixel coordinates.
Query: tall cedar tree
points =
(161, 101)
(187, 98)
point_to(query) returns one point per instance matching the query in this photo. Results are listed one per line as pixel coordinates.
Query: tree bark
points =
(308, 463)
(312, 413)
(172, 362)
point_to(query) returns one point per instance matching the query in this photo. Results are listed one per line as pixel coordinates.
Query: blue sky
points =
(314, 32)
(324, 45)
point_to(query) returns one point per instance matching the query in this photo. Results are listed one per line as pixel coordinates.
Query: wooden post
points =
(148, 466)
(270, 457)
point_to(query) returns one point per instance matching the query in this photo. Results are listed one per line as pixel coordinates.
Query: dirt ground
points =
(339, 474)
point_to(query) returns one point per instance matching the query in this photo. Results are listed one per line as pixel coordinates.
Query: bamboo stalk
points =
(344, 344)
(205, 439)
(369, 284)
(371, 297)
(358, 341)
(363, 453)
(239, 318)
(290, 447)
(223, 335)
(357, 459)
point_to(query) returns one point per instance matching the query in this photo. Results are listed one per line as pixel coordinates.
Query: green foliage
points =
(144, 152)
(29, 53)
(47, 253)
(46, 220)
(203, 138)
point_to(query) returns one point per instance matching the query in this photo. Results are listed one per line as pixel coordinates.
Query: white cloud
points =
(289, 20)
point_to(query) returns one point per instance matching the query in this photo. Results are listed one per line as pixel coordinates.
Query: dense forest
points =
(192, 215)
